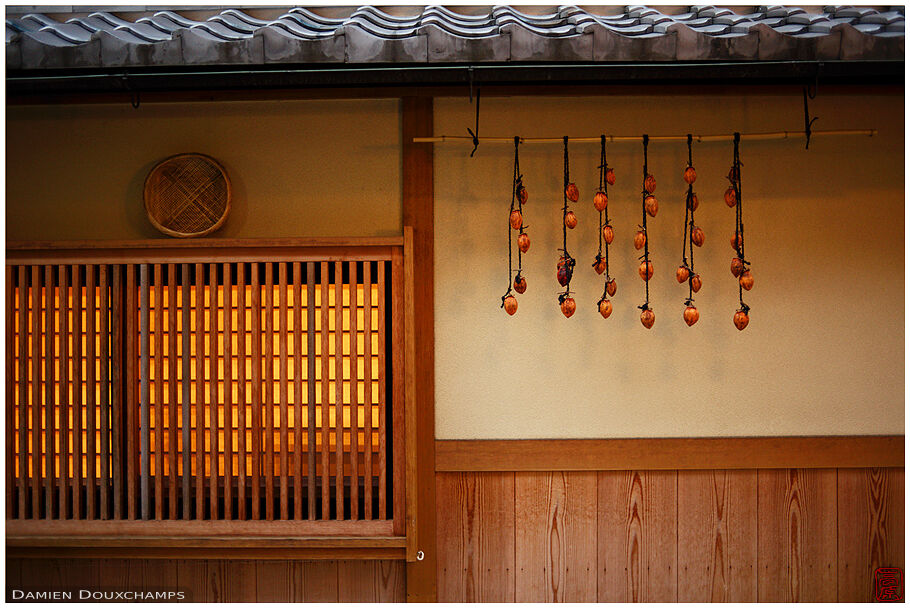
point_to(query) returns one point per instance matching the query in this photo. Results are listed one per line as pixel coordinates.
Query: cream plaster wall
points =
(298, 168)
(824, 352)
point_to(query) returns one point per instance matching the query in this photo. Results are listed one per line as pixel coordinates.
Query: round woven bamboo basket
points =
(187, 195)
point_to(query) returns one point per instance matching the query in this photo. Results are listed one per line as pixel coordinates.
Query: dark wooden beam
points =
(417, 212)
(670, 453)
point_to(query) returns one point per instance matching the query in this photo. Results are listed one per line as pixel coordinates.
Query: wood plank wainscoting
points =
(704, 520)
(225, 580)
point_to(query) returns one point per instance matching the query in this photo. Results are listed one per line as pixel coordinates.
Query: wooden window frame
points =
(242, 539)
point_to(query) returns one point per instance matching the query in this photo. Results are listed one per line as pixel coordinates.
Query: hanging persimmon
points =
(600, 201)
(645, 270)
(736, 266)
(698, 236)
(523, 195)
(510, 304)
(741, 319)
(682, 274)
(689, 175)
(610, 177)
(567, 305)
(647, 318)
(600, 264)
(736, 242)
(524, 242)
(611, 287)
(570, 220)
(651, 205)
(690, 315)
(605, 307)
(520, 284)
(572, 192)
(650, 184)
(696, 283)
(515, 219)
(692, 202)
(730, 197)
(640, 239)
(746, 280)
(608, 233)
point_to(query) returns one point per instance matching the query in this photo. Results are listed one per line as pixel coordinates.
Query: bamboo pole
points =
(637, 138)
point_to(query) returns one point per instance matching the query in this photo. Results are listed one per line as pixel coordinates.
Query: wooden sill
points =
(203, 539)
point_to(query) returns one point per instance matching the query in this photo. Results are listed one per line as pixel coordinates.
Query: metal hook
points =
(134, 94)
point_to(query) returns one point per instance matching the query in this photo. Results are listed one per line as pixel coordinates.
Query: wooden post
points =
(417, 212)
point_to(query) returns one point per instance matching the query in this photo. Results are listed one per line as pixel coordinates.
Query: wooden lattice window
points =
(214, 388)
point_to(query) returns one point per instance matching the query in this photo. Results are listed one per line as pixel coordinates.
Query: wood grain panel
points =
(797, 535)
(717, 536)
(320, 581)
(870, 522)
(231, 581)
(637, 536)
(556, 522)
(273, 582)
(477, 530)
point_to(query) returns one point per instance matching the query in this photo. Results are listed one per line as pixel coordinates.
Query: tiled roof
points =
(440, 35)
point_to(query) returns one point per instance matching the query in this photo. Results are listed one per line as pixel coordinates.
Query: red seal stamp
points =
(889, 585)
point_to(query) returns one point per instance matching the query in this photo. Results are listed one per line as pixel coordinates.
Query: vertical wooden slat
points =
(213, 391)
(283, 383)
(11, 396)
(717, 524)
(159, 425)
(228, 404)
(256, 448)
(64, 363)
(383, 511)
(36, 391)
(172, 398)
(556, 537)
(117, 401)
(78, 401)
(200, 392)
(339, 394)
(324, 378)
(268, 356)
(104, 358)
(352, 387)
(311, 388)
(49, 404)
(636, 536)
(397, 405)
(144, 393)
(410, 396)
(23, 395)
(185, 387)
(797, 535)
(368, 390)
(132, 384)
(91, 402)
(241, 391)
(298, 394)
(870, 522)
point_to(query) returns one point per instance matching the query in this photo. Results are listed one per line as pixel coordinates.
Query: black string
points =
(475, 134)
(691, 224)
(570, 263)
(516, 184)
(644, 217)
(740, 239)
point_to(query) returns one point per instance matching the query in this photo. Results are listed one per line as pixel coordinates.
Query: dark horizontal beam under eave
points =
(185, 78)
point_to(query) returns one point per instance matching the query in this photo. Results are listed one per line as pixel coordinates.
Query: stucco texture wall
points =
(297, 168)
(824, 351)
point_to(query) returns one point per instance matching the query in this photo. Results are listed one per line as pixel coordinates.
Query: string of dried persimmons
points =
(739, 266)
(566, 264)
(516, 222)
(648, 207)
(692, 236)
(605, 231)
